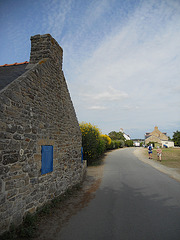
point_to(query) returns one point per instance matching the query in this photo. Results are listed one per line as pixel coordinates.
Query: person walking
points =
(159, 153)
(150, 148)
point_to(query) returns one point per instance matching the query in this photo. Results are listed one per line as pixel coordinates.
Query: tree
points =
(129, 143)
(176, 138)
(116, 136)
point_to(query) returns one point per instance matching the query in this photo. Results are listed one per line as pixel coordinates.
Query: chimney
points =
(45, 46)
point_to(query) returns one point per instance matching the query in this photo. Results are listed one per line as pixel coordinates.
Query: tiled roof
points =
(9, 72)
(14, 64)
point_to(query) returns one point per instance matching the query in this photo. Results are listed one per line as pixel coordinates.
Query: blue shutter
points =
(47, 159)
(82, 154)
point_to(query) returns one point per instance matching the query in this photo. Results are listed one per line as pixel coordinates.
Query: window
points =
(46, 159)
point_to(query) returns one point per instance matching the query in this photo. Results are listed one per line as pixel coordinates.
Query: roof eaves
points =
(14, 64)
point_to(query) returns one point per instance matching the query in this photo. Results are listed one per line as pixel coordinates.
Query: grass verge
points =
(170, 157)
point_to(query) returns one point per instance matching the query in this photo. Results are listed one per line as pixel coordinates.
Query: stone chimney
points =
(45, 46)
(121, 130)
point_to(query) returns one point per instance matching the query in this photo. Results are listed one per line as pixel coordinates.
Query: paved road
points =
(134, 202)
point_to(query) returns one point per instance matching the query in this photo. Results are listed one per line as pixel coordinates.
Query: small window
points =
(46, 159)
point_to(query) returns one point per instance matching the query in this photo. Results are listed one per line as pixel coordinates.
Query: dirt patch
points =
(52, 223)
(172, 172)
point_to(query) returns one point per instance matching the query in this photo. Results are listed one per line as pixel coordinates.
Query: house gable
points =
(155, 136)
(158, 134)
(36, 110)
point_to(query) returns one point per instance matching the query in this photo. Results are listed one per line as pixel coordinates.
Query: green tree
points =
(129, 143)
(176, 138)
(116, 136)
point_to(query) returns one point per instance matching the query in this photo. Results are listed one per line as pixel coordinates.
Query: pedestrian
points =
(159, 153)
(150, 148)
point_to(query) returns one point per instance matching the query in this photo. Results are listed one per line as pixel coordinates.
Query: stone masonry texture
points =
(35, 110)
(156, 136)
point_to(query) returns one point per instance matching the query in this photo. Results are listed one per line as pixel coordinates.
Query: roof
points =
(9, 72)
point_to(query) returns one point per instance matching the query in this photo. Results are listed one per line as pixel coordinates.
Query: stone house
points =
(40, 138)
(158, 137)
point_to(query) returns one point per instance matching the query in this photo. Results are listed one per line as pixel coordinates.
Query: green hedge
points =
(93, 144)
(129, 143)
(117, 144)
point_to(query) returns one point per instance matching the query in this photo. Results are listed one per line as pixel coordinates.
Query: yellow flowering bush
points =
(107, 140)
(93, 143)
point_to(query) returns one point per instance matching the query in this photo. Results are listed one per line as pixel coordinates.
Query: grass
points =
(170, 157)
(28, 229)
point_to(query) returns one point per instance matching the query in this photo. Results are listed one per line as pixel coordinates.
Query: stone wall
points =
(36, 110)
(152, 139)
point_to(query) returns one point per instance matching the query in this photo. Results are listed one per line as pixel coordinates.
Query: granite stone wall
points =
(156, 136)
(36, 110)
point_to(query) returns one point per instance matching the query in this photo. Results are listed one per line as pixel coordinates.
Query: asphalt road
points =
(134, 202)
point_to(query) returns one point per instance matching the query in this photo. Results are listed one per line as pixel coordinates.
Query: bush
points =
(93, 143)
(117, 144)
(176, 138)
(120, 143)
(129, 143)
(101, 146)
(107, 140)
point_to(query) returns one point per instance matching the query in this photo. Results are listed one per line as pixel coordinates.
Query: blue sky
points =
(121, 57)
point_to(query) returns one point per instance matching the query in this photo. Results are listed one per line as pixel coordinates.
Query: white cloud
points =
(55, 14)
(97, 108)
(121, 57)
(110, 94)
(141, 64)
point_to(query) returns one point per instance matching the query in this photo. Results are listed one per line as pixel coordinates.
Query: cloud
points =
(97, 108)
(110, 94)
(121, 58)
(55, 16)
(140, 61)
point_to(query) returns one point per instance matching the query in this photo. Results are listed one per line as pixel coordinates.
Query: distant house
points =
(126, 136)
(138, 142)
(40, 137)
(157, 136)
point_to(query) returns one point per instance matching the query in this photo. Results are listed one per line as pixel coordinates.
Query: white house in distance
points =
(127, 137)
